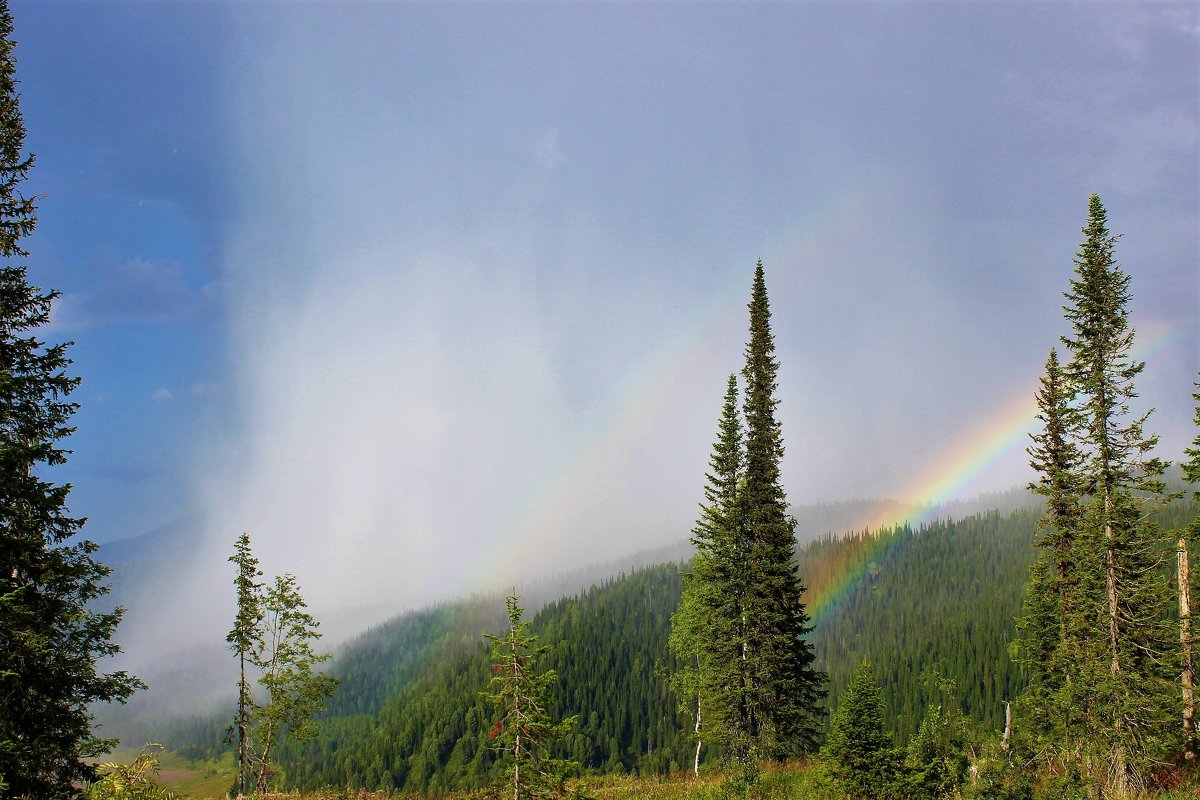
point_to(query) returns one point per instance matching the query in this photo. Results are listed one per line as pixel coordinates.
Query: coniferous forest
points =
(1043, 650)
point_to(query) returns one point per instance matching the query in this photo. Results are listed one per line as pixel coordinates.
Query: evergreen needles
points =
(741, 623)
(1095, 636)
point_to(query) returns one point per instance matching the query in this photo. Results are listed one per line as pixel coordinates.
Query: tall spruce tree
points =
(860, 756)
(1055, 594)
(50, 638)
(706, 630)
(1125, 665)
(782, 688)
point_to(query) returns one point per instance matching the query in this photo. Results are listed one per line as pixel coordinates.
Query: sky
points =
(425, 296)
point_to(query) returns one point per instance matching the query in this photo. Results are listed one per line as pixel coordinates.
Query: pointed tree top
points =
(1191, 467)
(1097, 224)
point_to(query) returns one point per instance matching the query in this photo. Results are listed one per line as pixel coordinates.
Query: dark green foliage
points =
(940, 598)
(408, 714)
(381, 662)
(1056, 610)
(779, 710)
(1104, 674)
(935, 763)
(50, 639)
(1191, 466)
(707, 629)
(859, 754)
(741, 628)
(430, 735)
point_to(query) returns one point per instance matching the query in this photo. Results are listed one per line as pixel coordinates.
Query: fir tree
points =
(706, 630)
(935, 763)
(525, 733)
(782, 688)
(860, 756)
(241, 641)
(50, 639)
(1125, 665)
(1056, 594)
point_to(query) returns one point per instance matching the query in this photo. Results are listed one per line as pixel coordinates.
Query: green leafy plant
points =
(133, 781)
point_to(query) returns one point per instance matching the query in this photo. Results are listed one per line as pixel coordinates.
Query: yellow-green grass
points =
(211, 780)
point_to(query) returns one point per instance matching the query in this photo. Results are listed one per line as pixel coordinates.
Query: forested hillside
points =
(937, 600)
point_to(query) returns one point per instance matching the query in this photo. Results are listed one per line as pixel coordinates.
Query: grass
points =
(211, 779)
(194, 780)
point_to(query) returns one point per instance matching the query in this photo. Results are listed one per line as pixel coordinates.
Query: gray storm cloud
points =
(482, 305)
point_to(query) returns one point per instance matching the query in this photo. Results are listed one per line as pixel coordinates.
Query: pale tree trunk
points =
(1113, 620)
(517, 768)
(1120, 778)
(696, 765)
(1188, 678)
(264, 766)
(1004, 742)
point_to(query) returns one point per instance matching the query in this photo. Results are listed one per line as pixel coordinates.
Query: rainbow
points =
(1000, 435)
(651, 390)
(598, 451)
(945, 479)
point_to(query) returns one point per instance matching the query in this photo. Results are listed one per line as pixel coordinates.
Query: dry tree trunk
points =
(1004, 742)
(1188, 678)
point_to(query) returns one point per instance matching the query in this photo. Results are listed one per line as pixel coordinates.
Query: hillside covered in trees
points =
(937, 601)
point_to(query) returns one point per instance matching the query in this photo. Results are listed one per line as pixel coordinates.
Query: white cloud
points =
(161, 394)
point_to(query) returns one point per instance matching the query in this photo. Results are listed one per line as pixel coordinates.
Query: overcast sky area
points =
(423, 295)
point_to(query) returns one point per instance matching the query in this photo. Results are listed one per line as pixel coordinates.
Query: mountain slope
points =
(936, 601)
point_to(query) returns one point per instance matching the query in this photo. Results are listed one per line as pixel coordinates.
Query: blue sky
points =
(459, 285)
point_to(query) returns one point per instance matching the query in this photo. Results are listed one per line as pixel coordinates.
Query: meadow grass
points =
(211, 780)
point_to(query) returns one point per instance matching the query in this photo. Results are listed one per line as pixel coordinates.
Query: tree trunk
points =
(696, 765)
(1111, 556)
(517, 768)
(241, 727)
(1004, 742)
(1120, 778)
(264, 764)
(1188, 678)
